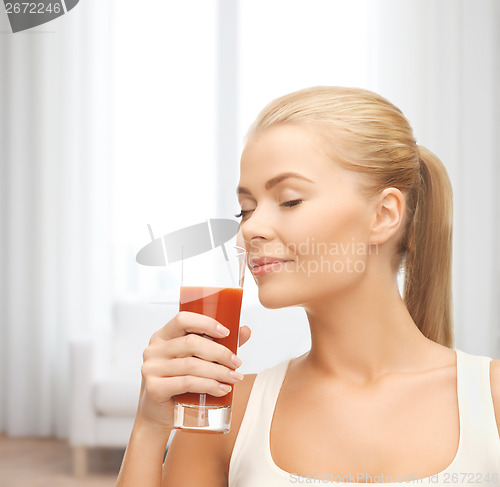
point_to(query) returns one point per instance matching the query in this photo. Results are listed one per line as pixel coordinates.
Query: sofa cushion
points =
(116, 397)
(133, 324)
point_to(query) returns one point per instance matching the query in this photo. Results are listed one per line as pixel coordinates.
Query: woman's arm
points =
(195, 459)
(178, 359)
(495, 389)
(142, 462)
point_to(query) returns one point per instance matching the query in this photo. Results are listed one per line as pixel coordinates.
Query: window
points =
(164, 122)
(170, 61)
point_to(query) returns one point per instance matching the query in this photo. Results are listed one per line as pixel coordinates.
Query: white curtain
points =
(55, 225)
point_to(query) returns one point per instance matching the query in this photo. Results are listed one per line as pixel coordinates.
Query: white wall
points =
(438, 61)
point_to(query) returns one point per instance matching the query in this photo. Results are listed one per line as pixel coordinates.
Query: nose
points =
(258, 226)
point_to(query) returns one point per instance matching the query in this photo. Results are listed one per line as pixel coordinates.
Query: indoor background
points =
(124, 114)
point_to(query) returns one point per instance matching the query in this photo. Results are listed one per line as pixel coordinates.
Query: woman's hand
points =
(182, 358)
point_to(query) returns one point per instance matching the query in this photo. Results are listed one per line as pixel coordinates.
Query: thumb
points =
(244, 335)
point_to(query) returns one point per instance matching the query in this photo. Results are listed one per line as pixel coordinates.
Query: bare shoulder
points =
(203, 459)
(495, 388)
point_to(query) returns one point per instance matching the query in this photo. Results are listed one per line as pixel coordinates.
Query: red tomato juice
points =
(224, 305)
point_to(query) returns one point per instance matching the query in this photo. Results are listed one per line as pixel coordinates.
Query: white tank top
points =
(477, 461)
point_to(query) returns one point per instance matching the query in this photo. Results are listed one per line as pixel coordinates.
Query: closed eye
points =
(243, 213)
(291, 203)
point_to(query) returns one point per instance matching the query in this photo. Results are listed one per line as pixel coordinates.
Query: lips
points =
(263, 265)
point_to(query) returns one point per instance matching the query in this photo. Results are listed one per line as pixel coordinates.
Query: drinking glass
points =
(212, 285)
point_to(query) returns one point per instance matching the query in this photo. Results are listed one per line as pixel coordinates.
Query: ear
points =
(388, 213)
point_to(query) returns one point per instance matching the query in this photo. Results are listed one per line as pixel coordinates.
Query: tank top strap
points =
(253, 435)
(478, 428)
(264, 394)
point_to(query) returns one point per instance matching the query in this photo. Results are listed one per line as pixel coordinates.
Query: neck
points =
(364, 333)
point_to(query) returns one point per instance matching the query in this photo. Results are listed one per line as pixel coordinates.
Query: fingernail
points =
(223, 330)
(236, 375)
(236, 361)
(225, 387)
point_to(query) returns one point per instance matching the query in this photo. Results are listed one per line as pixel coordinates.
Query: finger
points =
(245, 333)
(186, 322)
(190, 366)
(162, 389)
(198, 346)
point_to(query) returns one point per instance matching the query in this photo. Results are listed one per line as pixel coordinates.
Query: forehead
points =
(284, 148)
(282, 138)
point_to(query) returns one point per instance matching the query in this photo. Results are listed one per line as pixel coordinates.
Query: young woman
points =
(336, 196)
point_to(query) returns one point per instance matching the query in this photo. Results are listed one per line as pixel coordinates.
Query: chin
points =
(276, 298)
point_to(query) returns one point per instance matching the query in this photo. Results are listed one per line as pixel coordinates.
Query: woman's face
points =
(303, 212)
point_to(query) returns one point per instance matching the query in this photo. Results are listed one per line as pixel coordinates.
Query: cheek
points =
(332, 244)
(345, 225)
(327, 246)
(326, 229)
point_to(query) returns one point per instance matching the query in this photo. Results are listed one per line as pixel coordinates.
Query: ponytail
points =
(428, 260)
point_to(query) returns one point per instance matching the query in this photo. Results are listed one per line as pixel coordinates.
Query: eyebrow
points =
(274, 181)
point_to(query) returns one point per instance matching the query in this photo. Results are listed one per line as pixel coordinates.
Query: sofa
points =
(105, 369)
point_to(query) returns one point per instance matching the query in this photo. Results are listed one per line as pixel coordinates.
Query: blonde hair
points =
(368, 134)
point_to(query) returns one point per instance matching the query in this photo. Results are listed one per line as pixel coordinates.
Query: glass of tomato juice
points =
(212, 285)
